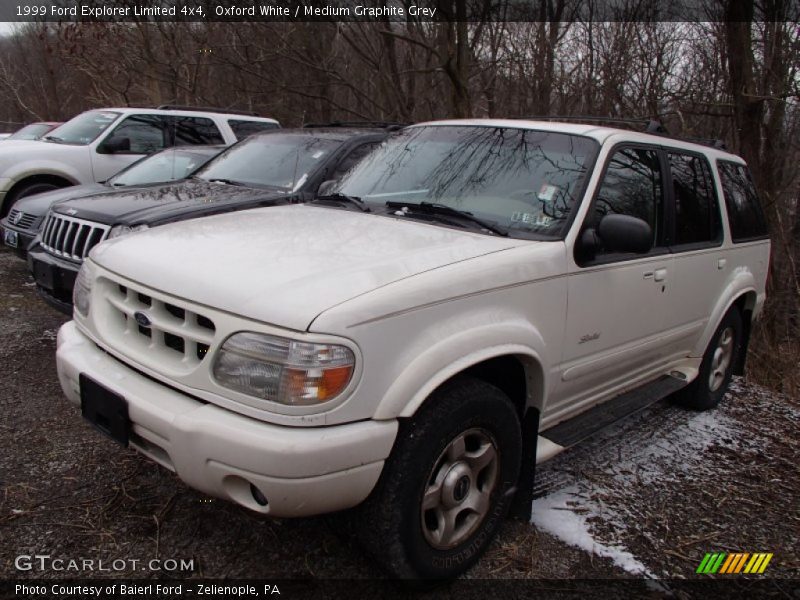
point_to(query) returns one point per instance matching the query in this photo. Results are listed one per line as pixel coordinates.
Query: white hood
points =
(286, 265)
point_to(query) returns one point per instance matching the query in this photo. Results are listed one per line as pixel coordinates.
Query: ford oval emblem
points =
(142, 319)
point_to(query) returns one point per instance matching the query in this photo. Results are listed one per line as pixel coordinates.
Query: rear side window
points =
(696, 212)
(242, 129)
(745, 216)
(190, 131)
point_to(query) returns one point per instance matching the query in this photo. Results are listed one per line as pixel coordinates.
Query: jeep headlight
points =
(82, 291)
(120, 230)
(283, 370)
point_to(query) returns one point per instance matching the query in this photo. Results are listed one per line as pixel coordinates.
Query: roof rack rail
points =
(225, 111)
(650, 125)
(390, 125)
(713, 142)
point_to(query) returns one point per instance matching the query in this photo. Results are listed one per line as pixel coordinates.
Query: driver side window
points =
(147, 133)
(631, 186)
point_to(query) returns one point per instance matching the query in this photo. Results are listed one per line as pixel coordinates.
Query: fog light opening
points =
(260, 498)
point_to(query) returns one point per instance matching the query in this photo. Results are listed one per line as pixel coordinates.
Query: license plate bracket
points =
(10, 238)
(107, 411)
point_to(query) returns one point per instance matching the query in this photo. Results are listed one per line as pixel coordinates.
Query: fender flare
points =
(453, 355)
(742, 283)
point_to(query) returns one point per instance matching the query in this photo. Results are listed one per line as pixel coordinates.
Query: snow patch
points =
(561, 515)
(657, 446)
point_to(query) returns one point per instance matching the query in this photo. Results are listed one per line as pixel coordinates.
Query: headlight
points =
(82, 292)
(283, 370)
(120, 230)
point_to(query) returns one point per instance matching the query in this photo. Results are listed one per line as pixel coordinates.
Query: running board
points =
(570, 432)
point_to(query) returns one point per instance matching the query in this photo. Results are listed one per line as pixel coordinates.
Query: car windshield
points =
(167, 165)
(83, 129)
(31, 132)
(522, 180)
(278, 160)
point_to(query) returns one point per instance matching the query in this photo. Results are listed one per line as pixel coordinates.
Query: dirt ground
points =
(647, 498)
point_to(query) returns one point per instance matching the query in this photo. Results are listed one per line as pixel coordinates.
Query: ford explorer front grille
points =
(171, 333)
(71, 238)
(21, 219)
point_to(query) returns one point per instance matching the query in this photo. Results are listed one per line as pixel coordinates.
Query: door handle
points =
(721, 263)
(660, 275)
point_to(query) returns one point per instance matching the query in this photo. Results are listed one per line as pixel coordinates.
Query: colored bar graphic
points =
(736, 562)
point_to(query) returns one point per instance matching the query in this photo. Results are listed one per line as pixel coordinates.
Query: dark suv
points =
(276, 167)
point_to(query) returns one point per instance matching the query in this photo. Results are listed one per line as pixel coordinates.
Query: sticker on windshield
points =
(547, 192)
(317, 154)
(530, 219)
(523, 218)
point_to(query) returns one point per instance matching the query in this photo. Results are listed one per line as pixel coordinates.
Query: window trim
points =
(671, 207)
(656, 250)
(752, 238)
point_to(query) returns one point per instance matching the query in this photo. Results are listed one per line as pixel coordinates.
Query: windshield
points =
(277, 160)
(31, 132)
(523, 180)
(82, 129)
(164, 166)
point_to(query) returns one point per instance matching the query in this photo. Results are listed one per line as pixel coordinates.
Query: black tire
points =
(27, 190)
(392, 524)
(707, 390)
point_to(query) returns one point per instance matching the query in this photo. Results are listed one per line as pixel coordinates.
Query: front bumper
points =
(301, 471)
(24, 238)
(55, 278)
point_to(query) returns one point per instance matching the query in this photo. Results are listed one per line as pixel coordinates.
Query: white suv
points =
(96, 144)
(473, 298)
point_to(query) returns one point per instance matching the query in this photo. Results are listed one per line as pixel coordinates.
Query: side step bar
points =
(570, 432)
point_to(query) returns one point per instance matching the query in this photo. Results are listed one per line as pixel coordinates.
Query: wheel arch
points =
(58, 179)
(742, 295)
(507, 356)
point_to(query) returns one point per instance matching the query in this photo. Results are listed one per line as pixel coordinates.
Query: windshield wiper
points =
(53, 138)
(344, 198)
(227, 181)
(434, 208)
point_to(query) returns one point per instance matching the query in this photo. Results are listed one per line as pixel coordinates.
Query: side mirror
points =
(326, 186)
(624, 233)
(115, 145)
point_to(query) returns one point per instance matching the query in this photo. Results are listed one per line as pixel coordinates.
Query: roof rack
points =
(390, 125)
(226, 111)
(650, 125)
(712, 142)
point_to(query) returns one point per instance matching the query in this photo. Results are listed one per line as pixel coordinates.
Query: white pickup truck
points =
(96, 144)
(474, 297)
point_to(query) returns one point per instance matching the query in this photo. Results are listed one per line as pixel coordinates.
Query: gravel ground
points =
(648, 497)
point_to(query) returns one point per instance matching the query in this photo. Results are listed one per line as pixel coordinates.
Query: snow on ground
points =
(593, 501)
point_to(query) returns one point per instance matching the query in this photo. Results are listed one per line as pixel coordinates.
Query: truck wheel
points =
(447, 485)
(716, 370)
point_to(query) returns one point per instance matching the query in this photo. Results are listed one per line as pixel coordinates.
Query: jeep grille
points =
(71, 238)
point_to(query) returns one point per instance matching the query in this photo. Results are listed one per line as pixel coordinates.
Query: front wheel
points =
(448, 484)
(716, 370)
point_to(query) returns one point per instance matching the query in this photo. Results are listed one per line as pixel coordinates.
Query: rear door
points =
(616, 302)
(701, 264)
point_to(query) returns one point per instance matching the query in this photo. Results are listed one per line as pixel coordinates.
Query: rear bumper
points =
(55, 278)
(301, 471)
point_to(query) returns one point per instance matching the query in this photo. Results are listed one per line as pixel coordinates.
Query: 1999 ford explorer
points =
(473, 298)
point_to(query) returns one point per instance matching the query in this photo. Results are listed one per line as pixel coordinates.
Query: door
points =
(145, 134)
(616, 301)
(701, 265)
